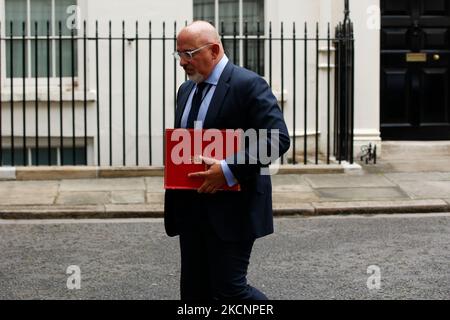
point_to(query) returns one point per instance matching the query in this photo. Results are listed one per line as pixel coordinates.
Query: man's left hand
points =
(214, 177)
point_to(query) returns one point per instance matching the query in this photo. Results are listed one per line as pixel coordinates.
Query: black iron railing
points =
(344, 93)
(31, 145)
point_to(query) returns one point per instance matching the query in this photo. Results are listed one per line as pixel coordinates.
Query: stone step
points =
(415, 150)
(311, 158)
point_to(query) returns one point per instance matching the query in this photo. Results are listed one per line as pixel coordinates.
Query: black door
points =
(415, 76)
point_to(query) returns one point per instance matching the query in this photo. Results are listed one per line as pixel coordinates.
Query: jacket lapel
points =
(218, 97)
(181, 103)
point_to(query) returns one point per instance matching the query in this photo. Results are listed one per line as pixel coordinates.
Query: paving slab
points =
(28, 192)
(358, 194)
(17, 186)
(290, 183)
(418, 176)
(348, 181)
(379, 168)
(289, 179)
(427, 189)
(119, 184)
(155, 198)
(154, 184)
(28, 199)
(292, 199)
(292, 188)
(132, 197)
(73, 198)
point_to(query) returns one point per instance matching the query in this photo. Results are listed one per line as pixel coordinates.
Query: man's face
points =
(202, 63)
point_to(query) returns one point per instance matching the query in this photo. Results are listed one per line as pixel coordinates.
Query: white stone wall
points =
(367, 74)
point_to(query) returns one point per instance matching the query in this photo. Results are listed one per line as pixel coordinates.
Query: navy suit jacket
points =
(242, 100)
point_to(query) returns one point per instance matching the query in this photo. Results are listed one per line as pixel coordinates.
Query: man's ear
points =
(215, 49)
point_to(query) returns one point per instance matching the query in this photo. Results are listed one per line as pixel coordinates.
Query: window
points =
(22, 16)
(31, 157)
(244, 16)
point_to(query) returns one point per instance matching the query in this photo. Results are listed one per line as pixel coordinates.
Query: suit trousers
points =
(213, 269)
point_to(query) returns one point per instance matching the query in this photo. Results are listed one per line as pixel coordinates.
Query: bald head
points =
(203, 31)
(201, 38)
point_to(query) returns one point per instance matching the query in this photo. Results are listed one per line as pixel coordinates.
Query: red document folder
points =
(183, 146)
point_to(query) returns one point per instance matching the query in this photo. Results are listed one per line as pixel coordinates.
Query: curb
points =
(80, 212)
(365, 207)
(152, 211)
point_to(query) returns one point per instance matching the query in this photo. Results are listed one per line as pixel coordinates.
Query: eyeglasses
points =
(188, 55)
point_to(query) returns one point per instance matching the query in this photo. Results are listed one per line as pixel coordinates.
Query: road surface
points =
(338, 257)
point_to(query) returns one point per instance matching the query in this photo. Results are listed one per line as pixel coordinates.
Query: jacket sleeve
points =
(263, 112)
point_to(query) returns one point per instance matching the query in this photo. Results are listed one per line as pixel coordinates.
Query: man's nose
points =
(183, 62)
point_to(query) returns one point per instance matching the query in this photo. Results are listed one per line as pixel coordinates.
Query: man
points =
(217, 229)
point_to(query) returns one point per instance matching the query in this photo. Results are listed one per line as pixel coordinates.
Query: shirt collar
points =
(217, 71)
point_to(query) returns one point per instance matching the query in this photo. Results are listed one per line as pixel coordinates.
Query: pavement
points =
(393, 185)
